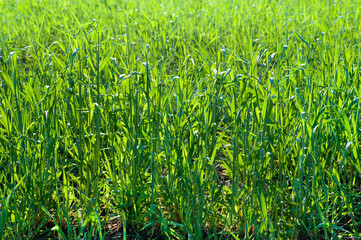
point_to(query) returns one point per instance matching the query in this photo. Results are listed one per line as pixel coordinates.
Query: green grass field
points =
(180, 119)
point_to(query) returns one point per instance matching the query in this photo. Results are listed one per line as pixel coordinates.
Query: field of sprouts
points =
(180, 119)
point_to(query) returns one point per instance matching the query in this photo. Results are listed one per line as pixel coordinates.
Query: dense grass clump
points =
(180, 119)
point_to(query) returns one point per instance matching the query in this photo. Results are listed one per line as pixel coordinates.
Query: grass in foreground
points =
(180, 119)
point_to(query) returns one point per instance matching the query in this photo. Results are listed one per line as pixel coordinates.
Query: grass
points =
(180, 119)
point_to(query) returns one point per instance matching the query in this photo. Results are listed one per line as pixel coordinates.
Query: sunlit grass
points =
(180, 119)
